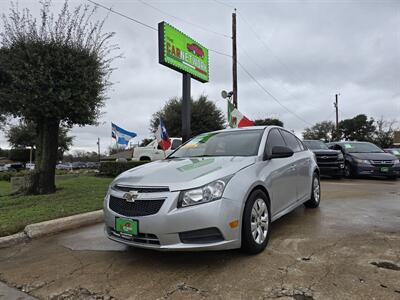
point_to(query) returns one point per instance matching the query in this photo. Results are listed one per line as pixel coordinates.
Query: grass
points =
(74, 195)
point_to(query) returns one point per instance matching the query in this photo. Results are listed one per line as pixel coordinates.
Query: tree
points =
(24, 135)
(54, 71)
(268, 121)
(384, 133)
(358, 128)
(205, 117)
(320, 131)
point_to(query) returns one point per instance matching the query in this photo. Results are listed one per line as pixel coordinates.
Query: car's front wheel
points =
(256, 223)
(347, 171)
(315, 193)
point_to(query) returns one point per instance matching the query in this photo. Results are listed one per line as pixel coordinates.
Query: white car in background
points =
(153, 152)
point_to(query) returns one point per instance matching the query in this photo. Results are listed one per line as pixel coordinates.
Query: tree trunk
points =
(43, 179)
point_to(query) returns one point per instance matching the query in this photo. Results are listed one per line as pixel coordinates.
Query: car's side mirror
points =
(281, 152)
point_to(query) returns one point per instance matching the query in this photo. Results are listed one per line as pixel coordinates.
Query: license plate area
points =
(384, 169)
(127, 228)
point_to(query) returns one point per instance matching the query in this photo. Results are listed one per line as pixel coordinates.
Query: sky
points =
(294, 56)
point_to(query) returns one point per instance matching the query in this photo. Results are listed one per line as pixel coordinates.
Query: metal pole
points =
(98, 147)
(234, 60)
(186, 107)
(337, 112)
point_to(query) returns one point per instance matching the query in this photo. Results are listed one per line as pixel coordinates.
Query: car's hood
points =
(183, 173)
(325, 151)
(374, 156)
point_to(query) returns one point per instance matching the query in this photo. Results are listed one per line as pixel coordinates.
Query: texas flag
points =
(162, 136)
(236, 118)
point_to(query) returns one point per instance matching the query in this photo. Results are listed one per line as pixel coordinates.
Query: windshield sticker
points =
(348, 146)
(197, 163)
(201, 139)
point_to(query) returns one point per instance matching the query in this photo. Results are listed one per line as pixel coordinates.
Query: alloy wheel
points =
(316, 189)
(259, 221)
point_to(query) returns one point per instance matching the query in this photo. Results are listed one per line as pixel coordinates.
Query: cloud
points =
(306, 52)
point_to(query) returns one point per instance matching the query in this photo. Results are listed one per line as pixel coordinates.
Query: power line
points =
(211, 50)
(144, 24)
(272, 96)
(198, 26)
(224, 4)
(122, 15)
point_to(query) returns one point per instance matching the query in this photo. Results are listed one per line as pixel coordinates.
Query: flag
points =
(162, 136)
(236, 118)
(120, 135)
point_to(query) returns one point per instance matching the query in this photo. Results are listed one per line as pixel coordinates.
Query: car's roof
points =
(353, 142)
(313, 141)
(248, 128)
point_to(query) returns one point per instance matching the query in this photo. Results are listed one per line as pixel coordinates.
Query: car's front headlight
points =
(207, 193)
(362, 161)
(396, 161)
(340, 156)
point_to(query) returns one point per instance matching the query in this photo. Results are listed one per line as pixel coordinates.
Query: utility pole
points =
(336, 105)
(98, 147)
(234, 59)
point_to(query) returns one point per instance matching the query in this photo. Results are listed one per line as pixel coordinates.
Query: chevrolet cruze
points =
(220, 190)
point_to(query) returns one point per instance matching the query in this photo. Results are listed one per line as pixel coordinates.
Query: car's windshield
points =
(228, 143)
(361, 148)
(316, 145)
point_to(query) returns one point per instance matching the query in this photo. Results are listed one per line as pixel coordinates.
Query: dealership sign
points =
(181, 53)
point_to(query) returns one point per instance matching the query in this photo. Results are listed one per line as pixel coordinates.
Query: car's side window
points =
(274, 139)
(291, 141)
(302, 146)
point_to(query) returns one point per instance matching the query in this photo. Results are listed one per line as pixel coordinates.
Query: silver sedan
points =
(220, 190)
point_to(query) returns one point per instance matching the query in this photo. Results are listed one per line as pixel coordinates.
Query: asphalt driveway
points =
(349, 248)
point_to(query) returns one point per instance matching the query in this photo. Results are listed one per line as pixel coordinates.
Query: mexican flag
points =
(236, 118)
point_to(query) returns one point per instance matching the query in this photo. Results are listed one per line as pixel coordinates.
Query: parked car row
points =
(352, 159)
(77, 165)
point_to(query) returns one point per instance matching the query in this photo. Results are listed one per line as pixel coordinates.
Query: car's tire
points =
(144, 158)
(256, 223)
(348, 173)
(315, 193)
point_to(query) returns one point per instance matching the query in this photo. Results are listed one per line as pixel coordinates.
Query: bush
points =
(113, 169)
(6, 176)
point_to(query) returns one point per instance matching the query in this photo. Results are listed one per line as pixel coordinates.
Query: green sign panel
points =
(182, 53)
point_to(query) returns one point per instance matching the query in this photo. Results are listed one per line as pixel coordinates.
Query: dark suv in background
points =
(330, 162)
(367, 159)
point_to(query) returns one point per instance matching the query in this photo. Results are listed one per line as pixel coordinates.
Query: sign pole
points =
(186, 107)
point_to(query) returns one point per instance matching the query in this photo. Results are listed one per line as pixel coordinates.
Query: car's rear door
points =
(280, 175)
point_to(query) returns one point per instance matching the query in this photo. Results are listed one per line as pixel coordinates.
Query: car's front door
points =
(280, 175)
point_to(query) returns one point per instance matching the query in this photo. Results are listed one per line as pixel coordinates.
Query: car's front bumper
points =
(161, 231)
(332, 168)
(372, 170)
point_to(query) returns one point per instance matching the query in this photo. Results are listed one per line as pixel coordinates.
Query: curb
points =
(41, 229)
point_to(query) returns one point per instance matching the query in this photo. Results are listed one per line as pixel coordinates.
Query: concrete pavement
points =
(349, 248)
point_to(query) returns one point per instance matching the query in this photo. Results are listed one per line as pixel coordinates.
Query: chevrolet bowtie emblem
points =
(131, 196)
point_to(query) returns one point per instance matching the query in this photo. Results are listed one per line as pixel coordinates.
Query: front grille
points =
(201, 236)
(327, 158)
(141, 189)
(382, 163)
(135, 209)
(143, 238)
